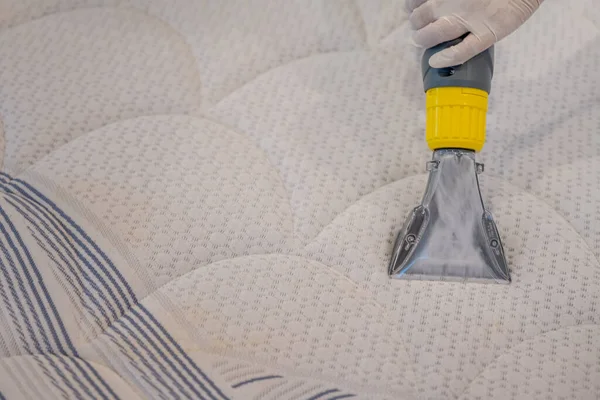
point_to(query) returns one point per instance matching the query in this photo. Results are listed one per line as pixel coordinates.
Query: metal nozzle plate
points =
(450, 236)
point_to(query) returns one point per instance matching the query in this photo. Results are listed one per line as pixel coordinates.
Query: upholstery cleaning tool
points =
(450, 236)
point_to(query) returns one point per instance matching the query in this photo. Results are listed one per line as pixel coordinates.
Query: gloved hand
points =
(488, 21)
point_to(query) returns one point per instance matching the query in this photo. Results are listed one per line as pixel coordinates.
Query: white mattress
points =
(199, 200)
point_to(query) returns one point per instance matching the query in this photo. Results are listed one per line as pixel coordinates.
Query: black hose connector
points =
(476, 73)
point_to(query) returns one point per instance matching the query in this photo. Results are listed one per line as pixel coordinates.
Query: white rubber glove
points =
(488, 21)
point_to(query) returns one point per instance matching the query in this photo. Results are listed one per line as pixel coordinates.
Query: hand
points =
(488, 21)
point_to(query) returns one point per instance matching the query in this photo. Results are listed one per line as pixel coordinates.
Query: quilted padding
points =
(198, 199)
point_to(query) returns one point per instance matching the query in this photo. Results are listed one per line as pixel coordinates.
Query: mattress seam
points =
(286, 64)
(31, 167)
(200, 117)
(366, 295)
(558, 213)
(123, 9)
(501, 178)
(177, 33)
(9, 26)
(267, 159)
(269, 254)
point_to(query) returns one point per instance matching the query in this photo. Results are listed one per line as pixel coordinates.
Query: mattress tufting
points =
(198, 199)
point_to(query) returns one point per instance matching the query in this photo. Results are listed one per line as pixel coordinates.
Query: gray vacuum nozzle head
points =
(450, 236)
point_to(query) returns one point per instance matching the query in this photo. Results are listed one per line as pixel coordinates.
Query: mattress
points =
(199, 198)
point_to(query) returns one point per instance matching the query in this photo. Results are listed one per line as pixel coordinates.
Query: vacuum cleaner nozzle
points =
(450, 236)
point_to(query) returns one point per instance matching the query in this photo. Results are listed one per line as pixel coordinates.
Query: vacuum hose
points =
(457, 100)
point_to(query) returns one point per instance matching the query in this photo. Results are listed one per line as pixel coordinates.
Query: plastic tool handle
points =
(476, 73)
(457, 100)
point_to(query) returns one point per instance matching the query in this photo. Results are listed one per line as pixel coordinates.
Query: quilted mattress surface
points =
(198, 199)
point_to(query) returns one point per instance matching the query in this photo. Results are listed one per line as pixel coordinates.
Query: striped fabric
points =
(128, 337)
(106, 298)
